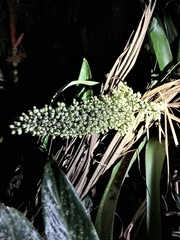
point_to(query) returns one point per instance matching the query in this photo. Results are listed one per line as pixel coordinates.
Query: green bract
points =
(97, 115)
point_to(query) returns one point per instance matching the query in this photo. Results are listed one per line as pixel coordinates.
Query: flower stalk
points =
(116, 111)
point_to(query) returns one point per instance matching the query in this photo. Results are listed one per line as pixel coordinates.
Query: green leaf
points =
(15, 226)
(64, 215)
(177, 200)
(85, 74)
(44, 143)
(76, 82)
(178, 57)
(85, 94)
(159, 44)
(105, 217)
(85, 77)
(154, 159)
(169, 27)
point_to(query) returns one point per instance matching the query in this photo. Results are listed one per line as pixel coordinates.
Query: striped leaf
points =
(64, 215)
(15, 226)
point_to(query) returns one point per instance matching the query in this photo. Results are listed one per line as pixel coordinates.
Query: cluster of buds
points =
(97, 115)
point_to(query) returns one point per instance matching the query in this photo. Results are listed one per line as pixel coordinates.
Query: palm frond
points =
(86, 164)
(127, 59)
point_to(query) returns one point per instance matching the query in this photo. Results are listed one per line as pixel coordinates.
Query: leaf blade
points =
(75, 82)
(154, 159)
(105, 217)
(15, 226)
(85, 74)
(159, 44)
(64, 215)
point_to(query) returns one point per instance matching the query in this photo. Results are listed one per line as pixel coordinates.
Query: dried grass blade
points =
(174, 105)
(131, 50)
(76, 158)
(135, 47)
(93, 144)
(102, 164)
(174, 117)
(78, 174)
(172, 128)
(118, 62)
(164, 87)
(167, 152)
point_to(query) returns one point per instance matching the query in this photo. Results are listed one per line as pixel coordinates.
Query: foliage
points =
(159, 44)
(154, 160)
(112, 126)
(85, 78)
(105, 216)
(63, 213)
(161, 35)
(14, 225)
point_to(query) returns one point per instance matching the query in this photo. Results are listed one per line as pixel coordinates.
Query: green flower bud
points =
(114, 111)
(19, 131)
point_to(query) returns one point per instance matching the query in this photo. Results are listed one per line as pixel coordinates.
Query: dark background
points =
(57, 36)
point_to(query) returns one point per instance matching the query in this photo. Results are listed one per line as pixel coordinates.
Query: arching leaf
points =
(159, 44)
(105, 217)
(64, 215)
(169, 27)
(85, 74)
(154, 159)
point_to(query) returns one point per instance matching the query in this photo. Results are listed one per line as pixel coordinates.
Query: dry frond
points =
(85, 170)
(81, 165)
(169, 94)
(127, 59)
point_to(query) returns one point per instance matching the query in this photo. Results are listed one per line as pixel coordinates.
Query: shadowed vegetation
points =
(97, 155)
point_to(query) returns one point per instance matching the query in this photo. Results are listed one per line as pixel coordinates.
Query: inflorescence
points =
(97, 115)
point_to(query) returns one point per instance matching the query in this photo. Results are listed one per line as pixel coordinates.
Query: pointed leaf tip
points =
(64, 215)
